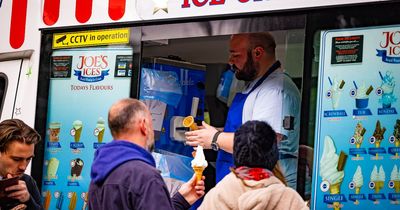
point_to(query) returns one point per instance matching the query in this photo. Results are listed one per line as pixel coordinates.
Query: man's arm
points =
(204, 138)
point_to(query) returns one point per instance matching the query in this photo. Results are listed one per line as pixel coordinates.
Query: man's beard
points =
(249, 70)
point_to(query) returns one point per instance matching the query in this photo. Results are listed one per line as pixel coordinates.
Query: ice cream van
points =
(63, 63)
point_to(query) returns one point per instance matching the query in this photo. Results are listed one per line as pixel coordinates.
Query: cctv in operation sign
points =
(90, 38)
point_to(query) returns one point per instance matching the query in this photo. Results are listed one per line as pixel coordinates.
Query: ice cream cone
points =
(397, 186)
(198, 170)
(377, 144)
(77, 136)
(335, 188)
(378, 186)
(397, 144)
(358, 190)
(189, 122)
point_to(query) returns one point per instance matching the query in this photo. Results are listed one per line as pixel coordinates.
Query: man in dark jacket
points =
(17, 144)
(123, 171)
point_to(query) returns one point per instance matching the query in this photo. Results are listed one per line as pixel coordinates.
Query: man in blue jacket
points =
(124, 174)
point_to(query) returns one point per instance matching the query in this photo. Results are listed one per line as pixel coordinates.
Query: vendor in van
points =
(270, 96)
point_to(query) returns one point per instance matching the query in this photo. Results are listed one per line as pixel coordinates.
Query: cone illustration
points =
(335, 189)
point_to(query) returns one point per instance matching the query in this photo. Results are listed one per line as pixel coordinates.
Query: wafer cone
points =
(378, 186)
(198, 170)
(358, 146)
(189, 122)
(397, 186)
(335, 189)
(358, 190)
(397, 144)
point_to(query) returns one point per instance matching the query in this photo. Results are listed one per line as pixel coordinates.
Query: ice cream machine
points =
(172, 90)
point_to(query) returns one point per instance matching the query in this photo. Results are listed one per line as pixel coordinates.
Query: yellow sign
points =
(90, 38)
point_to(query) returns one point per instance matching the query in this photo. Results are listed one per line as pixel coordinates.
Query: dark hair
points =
(255, 145)
(16, 130)
(123, 113)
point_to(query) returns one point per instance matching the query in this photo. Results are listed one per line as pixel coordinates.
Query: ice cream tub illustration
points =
(362, 95)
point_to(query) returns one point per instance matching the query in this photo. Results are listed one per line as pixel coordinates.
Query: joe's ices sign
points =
(390, 47)
(92, 68)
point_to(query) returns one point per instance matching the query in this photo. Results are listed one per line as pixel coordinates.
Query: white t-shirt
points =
(276, 98)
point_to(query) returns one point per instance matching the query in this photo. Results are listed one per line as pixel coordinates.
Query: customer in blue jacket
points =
(124, 174)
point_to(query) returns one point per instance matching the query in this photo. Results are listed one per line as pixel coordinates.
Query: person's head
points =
(255, 146)
(251, 54)
(129, 119)
(17, 145)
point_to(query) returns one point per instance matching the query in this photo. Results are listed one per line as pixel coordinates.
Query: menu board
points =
(357, 143)
(84, 83)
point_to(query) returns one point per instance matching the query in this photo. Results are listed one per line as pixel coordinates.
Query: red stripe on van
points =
(51, 11)
(18, 23)
(83, 10)
(116, 9)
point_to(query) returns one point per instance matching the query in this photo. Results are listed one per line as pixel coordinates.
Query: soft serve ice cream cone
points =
(77, 126)
(329, 168)
(395, 177)
(359, 135)
(358, 181)
(100, 126)
(374, 178)
(199, 163)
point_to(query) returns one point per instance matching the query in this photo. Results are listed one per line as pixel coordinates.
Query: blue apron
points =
(234, 121)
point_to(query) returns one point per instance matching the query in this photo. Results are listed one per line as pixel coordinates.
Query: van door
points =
(10, 72)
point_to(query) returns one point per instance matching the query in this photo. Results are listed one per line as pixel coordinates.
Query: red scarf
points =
(256, 174)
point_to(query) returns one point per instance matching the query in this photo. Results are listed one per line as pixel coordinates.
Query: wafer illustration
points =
(72, 202)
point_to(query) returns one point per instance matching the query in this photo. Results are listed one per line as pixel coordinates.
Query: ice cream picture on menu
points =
(357, 140)
(361, 94)
(335, 94)
(376, 139)
(386, 92)
(356, 184)
(377, 183)
(199, 163)
(76, 132)
(332, 173)
(394, 141)
(394, 184)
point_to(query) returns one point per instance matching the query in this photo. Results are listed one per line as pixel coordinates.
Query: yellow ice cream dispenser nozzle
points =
(188, 122)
